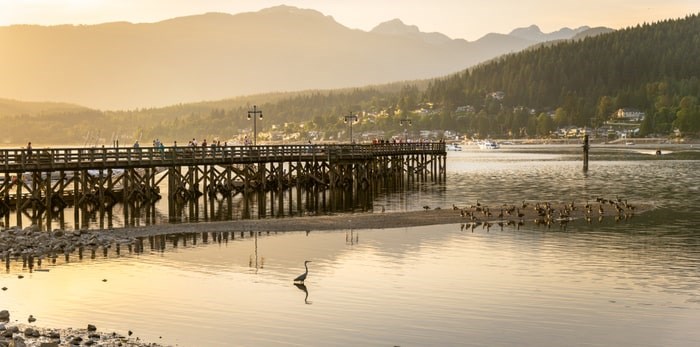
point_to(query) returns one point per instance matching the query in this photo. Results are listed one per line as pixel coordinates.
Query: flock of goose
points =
(543, 213)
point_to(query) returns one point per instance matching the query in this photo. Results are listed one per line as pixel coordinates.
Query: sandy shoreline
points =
(377, 220)
(340, 221)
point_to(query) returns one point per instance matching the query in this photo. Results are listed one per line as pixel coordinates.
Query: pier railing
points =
(95, 158)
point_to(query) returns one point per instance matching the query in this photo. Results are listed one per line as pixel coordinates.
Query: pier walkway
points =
(46, 180)
(96, 158)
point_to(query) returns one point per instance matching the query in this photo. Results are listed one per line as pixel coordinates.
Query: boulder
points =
(19, 342)
(4, 315)
(31, 332)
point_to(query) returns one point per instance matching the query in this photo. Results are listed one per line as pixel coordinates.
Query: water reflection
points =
(302, 287)
(587, 278)
(554, 174)
(270, 204)
(352, 237)
(601, 283)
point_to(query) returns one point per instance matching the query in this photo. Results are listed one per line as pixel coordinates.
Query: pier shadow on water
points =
(206, 208)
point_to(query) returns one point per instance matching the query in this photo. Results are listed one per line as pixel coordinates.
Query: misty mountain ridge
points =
(396, 27)
(533, 33)
(214, 56)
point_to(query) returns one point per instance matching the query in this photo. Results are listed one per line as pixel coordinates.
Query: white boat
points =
(453, 147)
(488, 144)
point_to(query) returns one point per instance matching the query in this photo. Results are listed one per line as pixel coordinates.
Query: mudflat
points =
(530, 213)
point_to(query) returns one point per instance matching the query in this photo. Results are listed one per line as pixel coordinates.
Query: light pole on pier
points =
(407, 121)
(351, 118)
(254, 115)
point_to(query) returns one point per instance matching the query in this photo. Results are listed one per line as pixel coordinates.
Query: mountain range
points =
(213, 56)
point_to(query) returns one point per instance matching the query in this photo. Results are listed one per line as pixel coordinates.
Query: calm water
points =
(631, 283)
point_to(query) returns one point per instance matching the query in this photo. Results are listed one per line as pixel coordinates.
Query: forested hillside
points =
(651, 67)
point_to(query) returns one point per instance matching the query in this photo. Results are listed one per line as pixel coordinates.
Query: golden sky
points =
(467, 19)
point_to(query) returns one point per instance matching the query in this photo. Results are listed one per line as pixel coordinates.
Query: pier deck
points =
(70, 159)
(46, 180)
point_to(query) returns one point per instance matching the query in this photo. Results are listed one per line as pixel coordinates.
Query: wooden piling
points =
(585, 153)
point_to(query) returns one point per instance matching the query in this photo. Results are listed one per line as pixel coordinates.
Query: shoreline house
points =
(629, 115)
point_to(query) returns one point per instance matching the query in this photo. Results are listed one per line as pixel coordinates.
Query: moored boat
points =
(488, 144)
(453, 147)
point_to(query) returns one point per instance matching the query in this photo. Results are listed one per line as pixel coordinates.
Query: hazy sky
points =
(468, 19)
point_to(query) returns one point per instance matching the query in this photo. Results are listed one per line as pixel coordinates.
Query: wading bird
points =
(302, 277)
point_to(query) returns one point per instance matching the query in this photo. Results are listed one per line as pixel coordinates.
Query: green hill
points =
(650, 67)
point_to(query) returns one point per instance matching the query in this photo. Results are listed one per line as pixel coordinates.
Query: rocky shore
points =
(24, 335)
(33, 246)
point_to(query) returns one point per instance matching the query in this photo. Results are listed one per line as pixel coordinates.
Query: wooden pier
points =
(41, 183)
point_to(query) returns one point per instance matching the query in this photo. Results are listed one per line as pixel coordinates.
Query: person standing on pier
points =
(29, 151)
(137, 148)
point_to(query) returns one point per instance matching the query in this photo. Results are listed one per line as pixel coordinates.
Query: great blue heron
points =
(302, 277)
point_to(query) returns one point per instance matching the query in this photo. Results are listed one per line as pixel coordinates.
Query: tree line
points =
(649, 67)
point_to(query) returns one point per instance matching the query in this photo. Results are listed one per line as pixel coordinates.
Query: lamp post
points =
(407, 121)
(253, 114)
(351, 118)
